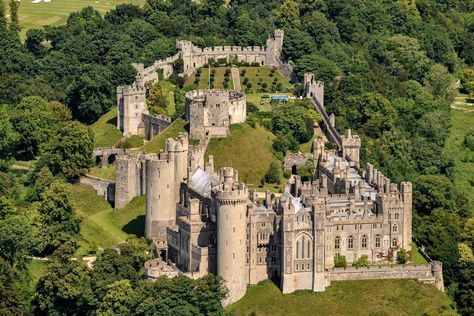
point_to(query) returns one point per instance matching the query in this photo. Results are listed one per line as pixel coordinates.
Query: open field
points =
(247, 149)
(256, 99)
(105, 130)
(57, 11)
(393, 297)
(462, 122)
(103, 226)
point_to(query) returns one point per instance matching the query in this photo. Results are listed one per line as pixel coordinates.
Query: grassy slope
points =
(394, 297)
(249, 150)
(462, 122)
(157, 143)
(105, 130)
(57, 11)
(103, 173)
(131, 218)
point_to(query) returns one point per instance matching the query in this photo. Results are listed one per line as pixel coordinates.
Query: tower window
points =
(377, 241)
(394, 228)
(364, 242)
(394, 242)
(397, 215)
(337, 243)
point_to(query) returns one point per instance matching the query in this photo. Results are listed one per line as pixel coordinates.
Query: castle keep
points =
(133, 117)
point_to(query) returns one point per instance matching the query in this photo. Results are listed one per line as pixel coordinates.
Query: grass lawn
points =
(103, 173)
(218, 79)
(247, 149)
(256, 98)
(57, 11)
(394, 297)
(416, 257)
(462, 122)
(105, 130)
(258, 75)
(157, 143)
(131, 218)
(36, 268)
(133, 141)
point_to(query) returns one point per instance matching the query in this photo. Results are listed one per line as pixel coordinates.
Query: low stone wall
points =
(104, 188)
(154, 124)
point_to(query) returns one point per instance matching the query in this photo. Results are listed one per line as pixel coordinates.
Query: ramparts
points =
(104, 188)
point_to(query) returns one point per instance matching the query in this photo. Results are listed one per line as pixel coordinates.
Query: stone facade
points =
(210, 112)
(131, 99)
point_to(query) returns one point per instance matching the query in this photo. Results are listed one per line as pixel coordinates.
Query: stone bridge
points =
(106, 155)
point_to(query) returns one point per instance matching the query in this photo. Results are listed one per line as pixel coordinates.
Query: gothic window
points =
(337, 243)
(297, 250)
(394, 228)
(259, 260)
(309, 247)
(350, 243)
(377, 241)
(364, 241)
(394, 242)
(297, 267)
(397, 215)
(374, 226)
(302, 248)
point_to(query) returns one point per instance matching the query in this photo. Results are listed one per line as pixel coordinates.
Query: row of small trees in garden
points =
(341, 262)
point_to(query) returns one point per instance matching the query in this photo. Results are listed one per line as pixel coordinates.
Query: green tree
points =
(16, 241)
(324, 69)
(14, 23)
(58, 222)
(273, 174)
(65, 287)
(288, 14)
(467, 82)
(7, 207)
(158, 49)
(60, 112)
(432, 192)
(120, 299)
(34, 124)
(10, 291)
(402, 256)
(8, 135)
(320, 28)
(69, 151)
(40, 181)
(440, 83)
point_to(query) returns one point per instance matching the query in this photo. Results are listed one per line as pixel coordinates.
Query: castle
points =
(203, 220)
(133, 117)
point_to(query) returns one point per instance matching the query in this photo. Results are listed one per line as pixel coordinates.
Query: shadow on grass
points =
(113, 121)
(136, 226)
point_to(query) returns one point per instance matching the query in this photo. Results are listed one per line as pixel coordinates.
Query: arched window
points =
(309, 251)
(364, 242)
(337, 243)
(297, 250)
(394, 242)
(394, 228)
(350, 243)
(377, 241)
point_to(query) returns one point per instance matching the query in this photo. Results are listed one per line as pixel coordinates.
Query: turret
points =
(351, 146)
(131, 104)
(313, 88)
(231, 208)
(406, 191)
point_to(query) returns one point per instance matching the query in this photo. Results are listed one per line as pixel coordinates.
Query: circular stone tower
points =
(231, 202)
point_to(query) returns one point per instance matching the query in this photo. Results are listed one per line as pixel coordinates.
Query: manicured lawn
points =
(105, 130)
(462, 122)
(256, 98)
(57, 11)
(394, 297)
(247, 149)
(416, 256)
(218, 79)
(157, 143)
(258, 75)
(103, 173)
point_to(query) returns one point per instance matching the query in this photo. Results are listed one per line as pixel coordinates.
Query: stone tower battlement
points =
(351, 146)
(210, 112)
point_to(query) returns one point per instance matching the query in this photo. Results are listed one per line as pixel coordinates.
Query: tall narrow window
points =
(364, 241)
(297, 250)
(309, 249)
(394, 228)
(377, 241)
(302, 248)
(350, 242)
(394, 242)
(337, 243)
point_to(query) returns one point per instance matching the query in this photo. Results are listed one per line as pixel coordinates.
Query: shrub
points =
(246, 80)
(273, 174)
(340, 261)
(361, 262)
(227, 72)
(225, 85)
(251, 108)
(469, 140)
(402, 256)
(243, 72)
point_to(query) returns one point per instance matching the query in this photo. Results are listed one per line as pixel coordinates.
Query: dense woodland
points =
(390, 70)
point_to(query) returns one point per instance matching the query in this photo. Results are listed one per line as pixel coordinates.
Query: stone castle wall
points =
(104, 188)
(154, 124)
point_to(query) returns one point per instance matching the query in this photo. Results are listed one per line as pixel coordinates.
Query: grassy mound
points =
(102, 226)
(462, 122)
(387, 297)
(56, 12)
(105, 130)
(247, 149)
(157, 143)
